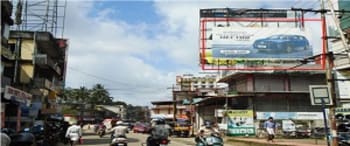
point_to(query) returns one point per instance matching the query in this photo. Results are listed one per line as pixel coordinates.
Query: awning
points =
(188, 102)
(110, 108)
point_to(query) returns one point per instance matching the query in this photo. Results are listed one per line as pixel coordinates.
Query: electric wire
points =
(135, 87)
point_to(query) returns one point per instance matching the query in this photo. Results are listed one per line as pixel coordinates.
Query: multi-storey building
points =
(283, 95)
(7, 56)
(341, 53)
(36, 75)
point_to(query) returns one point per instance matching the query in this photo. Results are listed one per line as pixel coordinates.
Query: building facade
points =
(37, 71)
(282, 95)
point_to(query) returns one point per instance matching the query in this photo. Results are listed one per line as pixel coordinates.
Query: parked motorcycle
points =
(38, 132)
(344, 134)
(213, 140)
(24, 138)
(119, 141)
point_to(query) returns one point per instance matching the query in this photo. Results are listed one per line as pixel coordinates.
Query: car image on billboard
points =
(282, 43)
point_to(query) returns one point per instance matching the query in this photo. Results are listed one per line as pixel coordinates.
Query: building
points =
(36, 75)
(165, 109)
(282, 95)
(193, 83)
(341, 56)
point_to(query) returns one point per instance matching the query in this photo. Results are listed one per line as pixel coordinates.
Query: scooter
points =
(213, 140)
(119, 141)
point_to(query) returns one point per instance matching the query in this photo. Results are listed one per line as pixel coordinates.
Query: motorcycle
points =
(119, 141)
(101, 132)
(23, 139)
(213, 140)
(156, 142)
(38, 132)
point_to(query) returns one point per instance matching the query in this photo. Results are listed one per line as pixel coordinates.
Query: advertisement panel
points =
(17, 95)
(231, 42)
(343, 87)
(249, 43)
(290, 115)
(240, 122)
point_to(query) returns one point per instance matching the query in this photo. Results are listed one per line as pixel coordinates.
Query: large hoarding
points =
(279, 40)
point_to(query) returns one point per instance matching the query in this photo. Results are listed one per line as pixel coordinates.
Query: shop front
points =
(291, 121)
(16, 108)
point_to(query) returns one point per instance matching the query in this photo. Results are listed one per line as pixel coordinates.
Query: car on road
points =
(141, 128)
(282, 43)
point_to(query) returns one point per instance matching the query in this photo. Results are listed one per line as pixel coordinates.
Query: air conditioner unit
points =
(40, 59)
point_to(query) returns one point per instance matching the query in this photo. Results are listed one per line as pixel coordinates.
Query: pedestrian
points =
(5, 139)
(270, 127)
(74, 133)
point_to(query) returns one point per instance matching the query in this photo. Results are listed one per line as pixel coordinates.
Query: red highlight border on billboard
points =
(320, 64)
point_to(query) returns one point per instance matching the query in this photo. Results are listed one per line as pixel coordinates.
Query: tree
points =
(99, 95)
(82, 95)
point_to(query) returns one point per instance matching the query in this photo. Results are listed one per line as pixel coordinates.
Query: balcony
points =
(42, 83)
(7, 53)
(44, 61)
(342, 60)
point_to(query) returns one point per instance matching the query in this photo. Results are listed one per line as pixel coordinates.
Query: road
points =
(91, 139)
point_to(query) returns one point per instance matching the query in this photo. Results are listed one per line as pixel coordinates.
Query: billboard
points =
(240, 122)
(289, 115)
(279, 41)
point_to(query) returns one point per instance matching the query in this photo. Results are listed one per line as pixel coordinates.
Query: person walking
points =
(74, 133)
(270, 127)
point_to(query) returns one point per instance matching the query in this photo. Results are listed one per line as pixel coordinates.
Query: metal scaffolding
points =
(40, 15)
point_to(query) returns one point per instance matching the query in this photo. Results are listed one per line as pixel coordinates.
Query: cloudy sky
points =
(136, 48)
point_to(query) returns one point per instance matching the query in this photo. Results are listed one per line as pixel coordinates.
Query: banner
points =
(289, 115)
(240, 122)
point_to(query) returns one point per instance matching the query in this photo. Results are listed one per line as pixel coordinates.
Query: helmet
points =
(119, 122)
(158, 121)
(207, 124)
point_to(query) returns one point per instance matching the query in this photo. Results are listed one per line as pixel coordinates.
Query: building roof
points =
(114, 109)
(162, 102)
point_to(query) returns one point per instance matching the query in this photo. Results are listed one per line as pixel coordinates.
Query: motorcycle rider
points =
(118, 130)
(207, 130)
(74, 133)
(160, 130)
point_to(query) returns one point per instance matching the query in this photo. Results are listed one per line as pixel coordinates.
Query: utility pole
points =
(329, 76)
(174, 102)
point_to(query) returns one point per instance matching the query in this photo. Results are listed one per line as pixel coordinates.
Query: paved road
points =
(91, 139)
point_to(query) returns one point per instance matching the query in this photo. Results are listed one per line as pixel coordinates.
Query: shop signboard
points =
(240, 123)
(343, 86)
(290, 115)
(17, 95)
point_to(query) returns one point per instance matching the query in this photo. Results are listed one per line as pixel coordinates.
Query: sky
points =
(137, 48)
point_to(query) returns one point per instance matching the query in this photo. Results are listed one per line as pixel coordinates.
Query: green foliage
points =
(97, 95)
(69, 110)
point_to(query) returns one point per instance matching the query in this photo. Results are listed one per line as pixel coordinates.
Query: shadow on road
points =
(88, 133)
(95, 141)
(133, 139)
